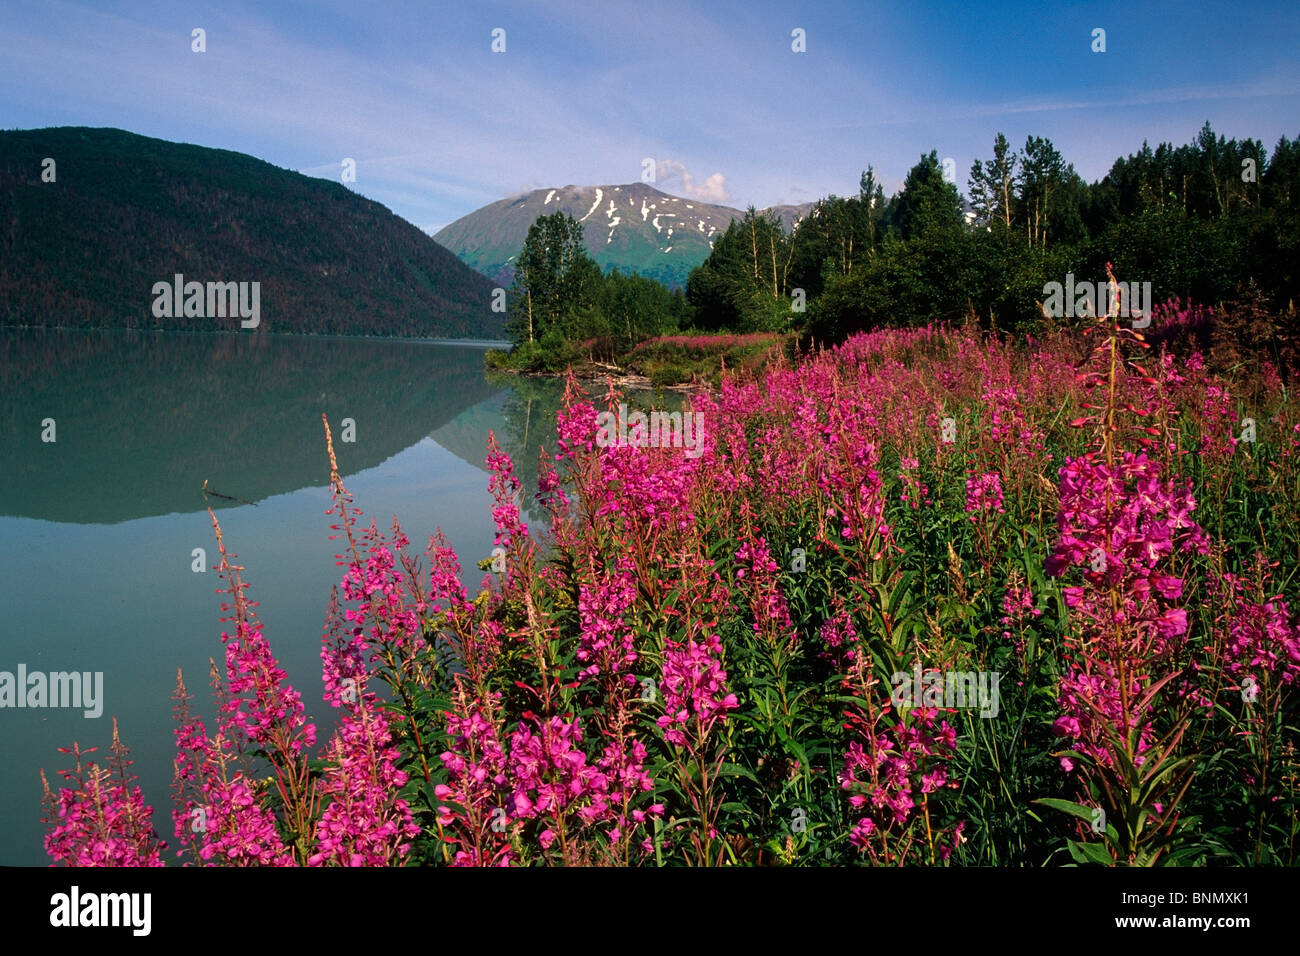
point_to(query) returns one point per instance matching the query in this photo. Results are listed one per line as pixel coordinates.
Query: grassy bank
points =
(663, 361)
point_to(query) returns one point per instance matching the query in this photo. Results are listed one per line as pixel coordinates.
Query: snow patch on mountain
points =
(594, 206)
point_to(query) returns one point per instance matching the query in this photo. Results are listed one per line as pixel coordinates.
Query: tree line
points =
(1206, 222)
(560, 298)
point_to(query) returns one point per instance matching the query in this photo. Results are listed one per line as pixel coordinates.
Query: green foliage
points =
(838, 236)
(905, 283)
(744, 284)
(674, 360)
(555, 279)
(928, 205)
(668, 375)
(637, 308)
(1198, 222)
(563, 309)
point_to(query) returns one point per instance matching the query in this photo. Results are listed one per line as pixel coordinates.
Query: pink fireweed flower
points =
(365, 824)
(840, 636)
(884, 771)
(1261, 637)
(477, 789)
(236, 829)
(505, 489)
(1119, 524)
(624, 770)
(445, 590)
(606, 642)
(272, 715)
(915, 492)
(272, 710)
(550, 490)
(694, 690)
(551, 775)
(1018, 606)
(1018, 610)
(378, 587)
(1085, 696)
(755, 567)
(102, 820)
(1219, 424)
(856, 491)
(344, 660)
(575, 425)
(984, 493)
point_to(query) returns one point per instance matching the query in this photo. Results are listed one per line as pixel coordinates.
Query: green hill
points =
(124, 212)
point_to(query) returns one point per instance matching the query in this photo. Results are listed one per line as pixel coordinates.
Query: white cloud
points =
(713, 189)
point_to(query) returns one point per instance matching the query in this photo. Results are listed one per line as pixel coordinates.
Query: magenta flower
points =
(694, 690)
(984, 493)
(1119, 526)
(102, 820)
(607, 643)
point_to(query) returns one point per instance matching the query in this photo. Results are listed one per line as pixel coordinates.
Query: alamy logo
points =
(56, 689)
(75, 908)
(658, 430)
(1084, 299)
(213, 300)
(951, 689)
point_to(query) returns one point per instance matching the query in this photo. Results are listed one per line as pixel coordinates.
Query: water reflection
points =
(140, 420)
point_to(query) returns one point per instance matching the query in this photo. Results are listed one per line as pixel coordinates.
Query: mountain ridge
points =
(631, 226)
(92, 218)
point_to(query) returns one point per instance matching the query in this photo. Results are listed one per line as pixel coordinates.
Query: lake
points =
(99, 526)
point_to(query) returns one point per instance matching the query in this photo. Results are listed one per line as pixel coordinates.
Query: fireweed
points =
(102, 820)
(222, 817)
(1125, 709)
(1258, 643)
(900, 763)
(678, 660)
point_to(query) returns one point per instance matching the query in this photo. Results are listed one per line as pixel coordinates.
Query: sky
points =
(439, 123)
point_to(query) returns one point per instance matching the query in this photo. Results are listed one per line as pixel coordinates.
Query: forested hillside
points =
(91, 219)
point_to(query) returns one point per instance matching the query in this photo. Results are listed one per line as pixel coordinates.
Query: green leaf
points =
(1090, 852)
(1074, 809)
(735, 770)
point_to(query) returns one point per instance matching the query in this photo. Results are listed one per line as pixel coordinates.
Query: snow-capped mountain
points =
(630, 227)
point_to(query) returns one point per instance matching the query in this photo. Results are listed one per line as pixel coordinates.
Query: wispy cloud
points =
(439, 124)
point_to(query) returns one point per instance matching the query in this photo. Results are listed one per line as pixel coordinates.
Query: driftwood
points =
(217, 494)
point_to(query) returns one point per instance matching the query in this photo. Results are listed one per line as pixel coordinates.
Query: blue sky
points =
(439, 125)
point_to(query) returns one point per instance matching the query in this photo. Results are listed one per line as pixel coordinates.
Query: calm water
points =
(98, 528)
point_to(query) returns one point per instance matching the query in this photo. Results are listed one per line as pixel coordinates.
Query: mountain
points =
(630, 227)
(124, 212)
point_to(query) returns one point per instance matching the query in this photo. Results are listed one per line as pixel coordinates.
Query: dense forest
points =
(1213, 223)
(90, 219)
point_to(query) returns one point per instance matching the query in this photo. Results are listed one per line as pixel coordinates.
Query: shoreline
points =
(591, 374)
(418, 340)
